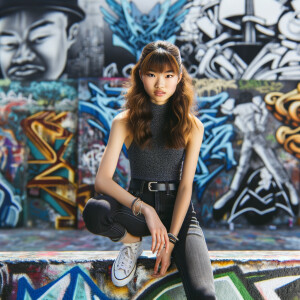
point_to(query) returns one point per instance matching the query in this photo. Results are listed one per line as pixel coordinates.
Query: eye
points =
(39, 39)
(9, 46)
(8, 43)
(150, 75)
(170, 76)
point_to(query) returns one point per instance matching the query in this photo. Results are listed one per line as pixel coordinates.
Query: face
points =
(160, 86)
(34, 45)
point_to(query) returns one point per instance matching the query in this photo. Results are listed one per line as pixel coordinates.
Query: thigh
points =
(193, 262)
(135, 225)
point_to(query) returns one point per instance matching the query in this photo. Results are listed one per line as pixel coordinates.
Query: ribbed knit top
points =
(156, 163)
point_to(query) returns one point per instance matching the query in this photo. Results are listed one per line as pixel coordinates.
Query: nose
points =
(160, 82)
(23, 54)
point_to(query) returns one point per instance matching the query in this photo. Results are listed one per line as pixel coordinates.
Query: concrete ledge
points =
(86, 275)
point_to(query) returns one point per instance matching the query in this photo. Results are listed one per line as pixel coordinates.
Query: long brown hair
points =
(155, 56)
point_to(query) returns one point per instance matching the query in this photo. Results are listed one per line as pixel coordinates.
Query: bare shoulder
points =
(197, 126)
(121, 117)
(120, 126)
(119, 123)
(120, 120)
(197, 130)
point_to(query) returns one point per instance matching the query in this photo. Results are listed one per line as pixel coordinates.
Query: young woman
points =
(163, 140)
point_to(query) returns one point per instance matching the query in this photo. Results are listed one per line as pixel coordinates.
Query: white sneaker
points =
(124, 266)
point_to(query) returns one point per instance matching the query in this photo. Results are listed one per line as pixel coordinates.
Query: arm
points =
(184, 193)
(185, 189)
(105, 184)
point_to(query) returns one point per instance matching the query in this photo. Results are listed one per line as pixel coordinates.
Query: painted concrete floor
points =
(82, 240)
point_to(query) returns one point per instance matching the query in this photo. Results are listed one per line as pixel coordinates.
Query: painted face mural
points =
(34, 44)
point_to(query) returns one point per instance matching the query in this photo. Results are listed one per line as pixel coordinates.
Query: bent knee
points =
(96, 216)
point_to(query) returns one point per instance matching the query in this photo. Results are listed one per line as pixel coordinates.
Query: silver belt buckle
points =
(149, 186)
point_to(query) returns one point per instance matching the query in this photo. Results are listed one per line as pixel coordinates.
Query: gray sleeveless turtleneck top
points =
(156, 163)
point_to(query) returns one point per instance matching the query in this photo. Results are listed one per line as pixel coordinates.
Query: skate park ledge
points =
(86, 275)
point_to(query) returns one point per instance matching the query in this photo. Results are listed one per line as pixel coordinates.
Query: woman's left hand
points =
(164, 260)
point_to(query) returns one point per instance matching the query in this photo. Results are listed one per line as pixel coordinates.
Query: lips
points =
(159, 93)
(24, 70)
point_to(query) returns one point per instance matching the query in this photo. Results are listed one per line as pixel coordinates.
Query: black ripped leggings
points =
(107, 217)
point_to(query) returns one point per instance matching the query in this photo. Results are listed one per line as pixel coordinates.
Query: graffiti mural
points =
(285, 107)
(35, 42)
(242, 275)
(38, 129)
(259, 184)
(51, 134)
(243, 174)
(12, 156)
(214, 36)
(248, 39)
(221, 39)
(51, 169)
(247, 171)
(243, 56)
(134, 29)
(99, 102)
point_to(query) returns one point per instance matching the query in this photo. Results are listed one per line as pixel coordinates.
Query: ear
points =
(179, 77)
(73, 33)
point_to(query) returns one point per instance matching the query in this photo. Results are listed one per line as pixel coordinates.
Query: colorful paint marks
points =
(78, 275)
(38, 133)
(53, 136)
(285, 108)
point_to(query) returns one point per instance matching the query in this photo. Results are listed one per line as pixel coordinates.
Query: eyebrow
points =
(169, 71)
(6, 33)
(40, 24)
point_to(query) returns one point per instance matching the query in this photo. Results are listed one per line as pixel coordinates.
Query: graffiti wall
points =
(38, 153)
(99, 102)
(243, 276)
(248, 168)
(12, 156)
(245, 62)
(52, 144)
(227, 39)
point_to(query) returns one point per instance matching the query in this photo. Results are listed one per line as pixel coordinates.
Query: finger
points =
(158, 243)
(153, 243)
(157, 262)
(162, 244)
(163, 269)
(159, 253)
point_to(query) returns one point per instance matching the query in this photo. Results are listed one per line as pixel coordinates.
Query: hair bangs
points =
(158, 60)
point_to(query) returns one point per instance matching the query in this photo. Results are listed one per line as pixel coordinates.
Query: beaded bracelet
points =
(172, 238)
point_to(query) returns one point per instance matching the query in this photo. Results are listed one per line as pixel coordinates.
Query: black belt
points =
(153, 186)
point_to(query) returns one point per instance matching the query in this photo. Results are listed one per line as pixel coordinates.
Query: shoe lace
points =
(125, 262)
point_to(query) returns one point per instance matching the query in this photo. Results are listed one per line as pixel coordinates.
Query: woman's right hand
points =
(157, 229)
